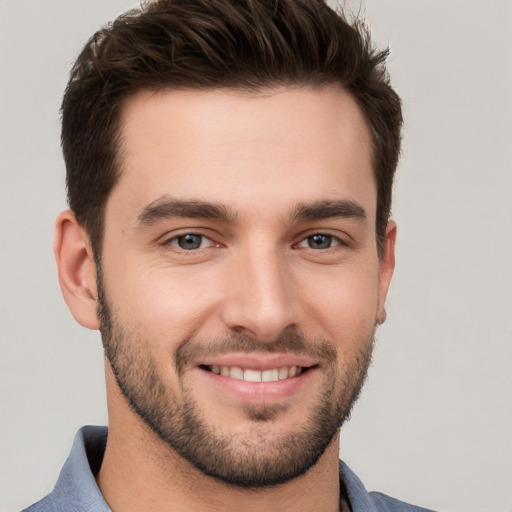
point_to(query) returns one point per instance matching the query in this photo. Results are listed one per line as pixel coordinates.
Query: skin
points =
(258, 156)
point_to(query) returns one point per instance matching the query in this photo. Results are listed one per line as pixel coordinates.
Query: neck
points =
(141, 472)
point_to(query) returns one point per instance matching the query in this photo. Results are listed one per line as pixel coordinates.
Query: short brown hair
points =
(209, 44)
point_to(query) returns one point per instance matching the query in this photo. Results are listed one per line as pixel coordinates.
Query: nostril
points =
(256, 334)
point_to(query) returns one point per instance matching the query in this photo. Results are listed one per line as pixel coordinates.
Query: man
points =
(229, 173)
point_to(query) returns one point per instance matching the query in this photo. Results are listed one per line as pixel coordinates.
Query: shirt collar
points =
(76, 487)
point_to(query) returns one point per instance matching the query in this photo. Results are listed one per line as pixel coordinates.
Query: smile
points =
(250, 375)
(259, 378)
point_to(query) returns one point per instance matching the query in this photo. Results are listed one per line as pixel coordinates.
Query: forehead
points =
(241, 149)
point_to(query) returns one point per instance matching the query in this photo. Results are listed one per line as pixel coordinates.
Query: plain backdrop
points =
(434, 424)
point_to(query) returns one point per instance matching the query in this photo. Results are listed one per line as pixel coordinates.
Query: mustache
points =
(294, 342)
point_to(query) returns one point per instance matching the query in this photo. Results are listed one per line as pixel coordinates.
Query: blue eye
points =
(190, 241)
(320, 241)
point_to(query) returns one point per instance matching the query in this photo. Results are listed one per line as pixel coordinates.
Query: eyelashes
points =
(320, 241)
(192, 241)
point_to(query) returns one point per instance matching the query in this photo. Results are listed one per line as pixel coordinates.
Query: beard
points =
(258, 457)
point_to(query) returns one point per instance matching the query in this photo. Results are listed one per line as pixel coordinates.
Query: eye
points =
(320, 241)
(190, 241)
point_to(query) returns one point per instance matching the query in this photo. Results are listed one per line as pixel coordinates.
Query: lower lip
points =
(257, 392)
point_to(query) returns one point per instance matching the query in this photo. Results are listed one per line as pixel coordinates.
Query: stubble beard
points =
(259, 457)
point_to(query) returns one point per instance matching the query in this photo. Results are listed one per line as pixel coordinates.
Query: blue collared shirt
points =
(76, 489)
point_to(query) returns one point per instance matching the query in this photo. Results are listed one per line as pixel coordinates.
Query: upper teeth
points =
(272, 375)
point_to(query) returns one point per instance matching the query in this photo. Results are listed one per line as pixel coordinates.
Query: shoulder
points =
(385, 503)
(47, 504)
(363, 501)
(76, 489)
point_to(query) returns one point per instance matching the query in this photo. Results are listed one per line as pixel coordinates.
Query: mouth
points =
(259, 378)
(252, 375)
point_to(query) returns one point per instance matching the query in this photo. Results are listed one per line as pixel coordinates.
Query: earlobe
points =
(76, 268)
(386, 268)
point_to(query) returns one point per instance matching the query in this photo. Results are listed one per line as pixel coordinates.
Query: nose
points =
(262, 299)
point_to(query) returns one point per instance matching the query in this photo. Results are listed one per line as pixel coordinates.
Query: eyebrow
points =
(167, 208)
(320, 210)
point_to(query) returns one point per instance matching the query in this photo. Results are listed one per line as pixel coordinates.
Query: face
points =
(240, 284)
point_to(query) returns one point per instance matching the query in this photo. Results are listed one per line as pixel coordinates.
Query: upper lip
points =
(258, 361)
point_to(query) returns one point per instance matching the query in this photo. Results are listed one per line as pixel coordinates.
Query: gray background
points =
(434, 425)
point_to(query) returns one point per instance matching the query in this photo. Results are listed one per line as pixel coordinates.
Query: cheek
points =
(344, 303)
(166, 305)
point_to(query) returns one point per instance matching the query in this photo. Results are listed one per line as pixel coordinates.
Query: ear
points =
(77, 270)
(386, 268)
